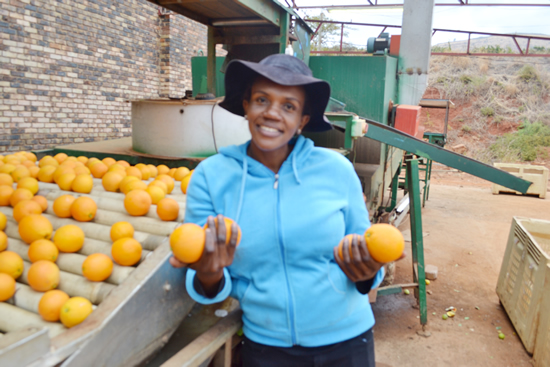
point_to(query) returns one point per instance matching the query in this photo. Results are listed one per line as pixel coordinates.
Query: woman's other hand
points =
(217, 253)
(357, 263)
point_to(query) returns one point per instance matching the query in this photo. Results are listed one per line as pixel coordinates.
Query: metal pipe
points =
(468, 50)
(239, 22)
(517, 44)
(341, 36)
(401, 5)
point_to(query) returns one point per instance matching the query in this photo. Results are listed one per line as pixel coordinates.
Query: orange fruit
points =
(162, 169)
(91, 161)
(43, 276)
(11, 264)
(123, 163)
(169, 181)
(84, 209)
(108, 161)
(7, 168)
(34, 171)
(6, 179)
(46, 174)
(160, 184)
(20, 194)
(111, 181)
(82, 170)
(5, 195)
(69, 238)
(181, 173)
(97, 267)
(28, 183)
(117, 167)
(126, 251)
(187, 242)
(24, 208)
(125, 181)
(384, 242)
(48, 160)
(137, 202)
(43, 250)
(83, 184)
(34, 227)
(185, 182)
(3, 241)
(133, 171)
(74, 311)
(28, 164)
(145, 172)
(65, 181)
(50, 304)
(172, 172)
(341, 244)
(20, 172)
(135, 185)
(153, 169)
(82, 159)
(98, 169)
(156, 193)
(60, 170)
(3, 221)
(62, 206)
(42, 201)
(31, 156)
(168, 209)
(228, 223)
(120, 230)
(60, 157)
(7, 287)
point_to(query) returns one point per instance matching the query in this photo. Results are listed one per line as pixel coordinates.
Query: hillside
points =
(502, 106)
(505, 43)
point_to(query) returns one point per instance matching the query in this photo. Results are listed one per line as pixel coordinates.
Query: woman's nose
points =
(272, 111)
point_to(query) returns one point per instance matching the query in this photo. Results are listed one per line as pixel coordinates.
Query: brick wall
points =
(68, 66)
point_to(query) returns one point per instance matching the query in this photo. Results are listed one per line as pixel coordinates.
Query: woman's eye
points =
(260, 99)
(289, 107)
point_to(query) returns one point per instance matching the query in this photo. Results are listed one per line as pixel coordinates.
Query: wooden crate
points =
(521, 282)
(538, 175)
(542, 343)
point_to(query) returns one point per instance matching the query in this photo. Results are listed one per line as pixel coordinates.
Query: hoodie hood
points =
(296, 159)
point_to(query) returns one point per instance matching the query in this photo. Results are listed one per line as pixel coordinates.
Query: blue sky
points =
(523, 20)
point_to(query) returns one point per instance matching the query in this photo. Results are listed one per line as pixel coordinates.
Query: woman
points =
(302, 305)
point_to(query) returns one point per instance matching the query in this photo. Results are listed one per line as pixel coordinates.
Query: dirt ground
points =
(466, 230)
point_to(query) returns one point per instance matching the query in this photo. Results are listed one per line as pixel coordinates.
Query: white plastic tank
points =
(185, 128)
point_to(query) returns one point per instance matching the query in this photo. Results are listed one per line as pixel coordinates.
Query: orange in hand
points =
(384, 242)
(341, 244)
(187, 242)
(228, 223)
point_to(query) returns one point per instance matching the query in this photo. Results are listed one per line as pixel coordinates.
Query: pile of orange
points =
(82, 209)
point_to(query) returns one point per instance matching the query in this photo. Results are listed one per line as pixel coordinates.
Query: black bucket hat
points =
(284, 70)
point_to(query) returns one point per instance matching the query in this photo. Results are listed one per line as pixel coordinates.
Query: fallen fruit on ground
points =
(120, 230)
(35, 227)
(407, 292)
(42, 250)
(43, 276)
(501, 336)
(62, 206)
(384, 242)
(187, 242)
(83, 209)
(444, 317)
(50, 304)
(126, 251)
(69, 238)
(74, 311)
(168, 209)
(7, 287)
(97, 267)
(228, 222)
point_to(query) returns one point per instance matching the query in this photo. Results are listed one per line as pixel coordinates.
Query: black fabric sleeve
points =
(200, 290)
(363, 287)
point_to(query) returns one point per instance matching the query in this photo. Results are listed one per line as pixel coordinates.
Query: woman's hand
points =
(216, 256)
(357, 264)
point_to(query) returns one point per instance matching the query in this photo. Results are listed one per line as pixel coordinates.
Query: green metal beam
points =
(408, 143)
(266, 9)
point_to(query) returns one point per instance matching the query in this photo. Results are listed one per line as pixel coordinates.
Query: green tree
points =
(326, 33)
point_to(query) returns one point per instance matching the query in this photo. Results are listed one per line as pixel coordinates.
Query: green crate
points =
(521, 283)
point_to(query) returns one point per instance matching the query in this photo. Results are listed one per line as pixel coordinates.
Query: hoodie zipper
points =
(290, 302)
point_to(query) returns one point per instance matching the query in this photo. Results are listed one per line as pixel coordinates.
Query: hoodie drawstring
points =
(294, 169)
(243, 183)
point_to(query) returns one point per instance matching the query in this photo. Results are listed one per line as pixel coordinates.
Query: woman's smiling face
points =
(275, 113)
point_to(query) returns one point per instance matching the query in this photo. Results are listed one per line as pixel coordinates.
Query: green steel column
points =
(285, 20)
(211, 62)
(417, 244)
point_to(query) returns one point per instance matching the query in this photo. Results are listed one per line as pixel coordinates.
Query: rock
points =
(460, 148)
(431, 272)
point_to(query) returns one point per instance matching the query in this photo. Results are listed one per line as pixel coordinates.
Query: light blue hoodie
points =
(291, 290)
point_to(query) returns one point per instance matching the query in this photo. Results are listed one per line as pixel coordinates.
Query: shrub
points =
(528, 73)
(487, 111)
(525, 144)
